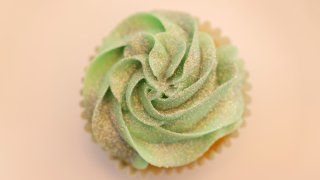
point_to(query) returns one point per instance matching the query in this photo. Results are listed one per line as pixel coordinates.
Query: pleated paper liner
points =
(215, 148)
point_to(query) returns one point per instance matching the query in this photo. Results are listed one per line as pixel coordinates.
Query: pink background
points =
(45, 45)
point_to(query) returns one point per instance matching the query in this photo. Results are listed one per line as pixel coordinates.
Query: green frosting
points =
(160, 92)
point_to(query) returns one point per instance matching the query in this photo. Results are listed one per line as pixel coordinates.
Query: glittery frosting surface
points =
(161, 92)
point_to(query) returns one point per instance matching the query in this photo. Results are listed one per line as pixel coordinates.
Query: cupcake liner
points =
(215, 148)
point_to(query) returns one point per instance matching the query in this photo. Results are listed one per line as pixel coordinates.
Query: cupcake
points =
(162, 91)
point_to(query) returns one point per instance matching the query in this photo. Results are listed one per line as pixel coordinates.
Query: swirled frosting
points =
(161, 92)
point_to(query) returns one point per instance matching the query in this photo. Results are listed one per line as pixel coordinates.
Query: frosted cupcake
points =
(162, 90)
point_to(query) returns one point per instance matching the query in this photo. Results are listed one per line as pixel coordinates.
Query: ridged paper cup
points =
(217, 147)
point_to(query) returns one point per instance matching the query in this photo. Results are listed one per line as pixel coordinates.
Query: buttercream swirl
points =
(160, 92)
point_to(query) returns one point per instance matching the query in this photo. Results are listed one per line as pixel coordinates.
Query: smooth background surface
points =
(45, 45)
